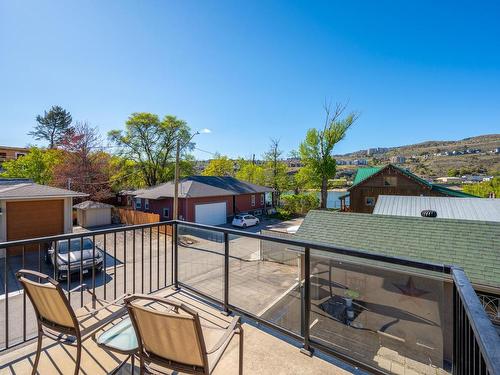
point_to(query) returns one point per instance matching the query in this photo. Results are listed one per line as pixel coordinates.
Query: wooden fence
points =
(133, 217)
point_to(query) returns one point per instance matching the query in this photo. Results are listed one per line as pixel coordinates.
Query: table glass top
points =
(121, 337)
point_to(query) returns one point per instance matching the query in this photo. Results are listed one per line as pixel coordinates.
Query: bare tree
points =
(85, 167)
(275, 169)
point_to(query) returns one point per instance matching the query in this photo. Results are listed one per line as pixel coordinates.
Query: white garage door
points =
(210, 213)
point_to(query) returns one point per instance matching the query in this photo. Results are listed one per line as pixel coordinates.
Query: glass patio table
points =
(120, 338)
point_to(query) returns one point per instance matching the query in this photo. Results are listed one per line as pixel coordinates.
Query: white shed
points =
(93, 214)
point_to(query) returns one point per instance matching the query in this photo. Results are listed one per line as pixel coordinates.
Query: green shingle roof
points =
(472, 245)
(364, 173)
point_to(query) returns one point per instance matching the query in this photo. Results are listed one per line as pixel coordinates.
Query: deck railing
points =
(476, 345)
(361, 307)
(135, 259)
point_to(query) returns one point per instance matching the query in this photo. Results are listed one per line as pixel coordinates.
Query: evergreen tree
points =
(53, 126)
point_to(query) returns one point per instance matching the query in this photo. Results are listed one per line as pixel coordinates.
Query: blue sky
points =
(251, 70)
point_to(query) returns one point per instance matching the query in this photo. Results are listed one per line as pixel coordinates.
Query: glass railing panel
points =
(389, 317)
(201, 260)
(264, 280)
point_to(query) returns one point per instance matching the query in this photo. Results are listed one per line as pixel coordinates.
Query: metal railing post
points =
(176, 257)
(226, 273)
(306, 349)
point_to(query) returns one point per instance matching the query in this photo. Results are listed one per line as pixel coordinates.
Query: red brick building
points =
(204, 199)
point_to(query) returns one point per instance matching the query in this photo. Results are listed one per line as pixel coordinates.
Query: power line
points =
(208, 152)
(106, 182)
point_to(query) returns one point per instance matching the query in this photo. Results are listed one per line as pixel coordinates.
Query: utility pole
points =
(176, 180)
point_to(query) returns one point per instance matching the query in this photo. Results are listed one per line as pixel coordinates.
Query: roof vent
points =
(429, 213)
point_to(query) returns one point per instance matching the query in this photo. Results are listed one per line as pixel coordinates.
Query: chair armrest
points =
(166, 301)
(230, 330)
(103, 307)
(41, 276)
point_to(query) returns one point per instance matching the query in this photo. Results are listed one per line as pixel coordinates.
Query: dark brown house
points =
(369, 183)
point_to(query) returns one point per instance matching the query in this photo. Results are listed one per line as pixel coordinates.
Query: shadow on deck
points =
(265, 352)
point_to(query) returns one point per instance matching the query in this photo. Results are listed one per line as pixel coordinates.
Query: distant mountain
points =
(483, 142)
(437, 158)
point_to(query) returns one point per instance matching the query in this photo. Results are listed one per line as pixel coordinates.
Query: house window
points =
(146, 204)
(3, 156)
(262, 199)
(166, 213)
(253, 200)
(18, 154)
(138, 203)
(390, 181)
(370, 201)
(119, 199)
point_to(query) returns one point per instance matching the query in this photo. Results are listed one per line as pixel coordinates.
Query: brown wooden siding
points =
(7, 154)
(31, 219)
(374, 186)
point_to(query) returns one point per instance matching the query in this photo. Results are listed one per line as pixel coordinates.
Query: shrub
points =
(484, 189)
(299, 204)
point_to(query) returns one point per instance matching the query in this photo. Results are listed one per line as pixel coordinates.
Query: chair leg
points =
(38, 351)
(141, 369)
(78, 356)
(240, 361)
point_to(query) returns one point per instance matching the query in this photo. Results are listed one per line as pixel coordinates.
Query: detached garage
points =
(29, 210)
(93, 214)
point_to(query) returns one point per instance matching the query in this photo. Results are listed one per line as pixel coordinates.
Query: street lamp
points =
(176, 175)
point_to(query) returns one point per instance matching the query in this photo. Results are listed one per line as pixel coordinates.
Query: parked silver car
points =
(77, 258)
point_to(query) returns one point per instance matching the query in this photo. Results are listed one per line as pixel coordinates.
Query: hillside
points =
(436, 158)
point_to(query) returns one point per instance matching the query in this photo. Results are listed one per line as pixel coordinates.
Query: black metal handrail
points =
(401, 261)
(33, 251)
(96, 232)
(476, 343)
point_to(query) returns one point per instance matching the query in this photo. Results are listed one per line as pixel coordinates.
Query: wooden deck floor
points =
(264, 353)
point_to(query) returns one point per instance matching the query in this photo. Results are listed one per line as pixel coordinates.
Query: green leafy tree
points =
(38, 165)
(299, 204)
(316, 151)
(53, 126)
(484, 189)
(251, 172)
(306, 179)
(150, 143)
(125, 174)
(219, 166)
(186, 167)
(453, 172)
